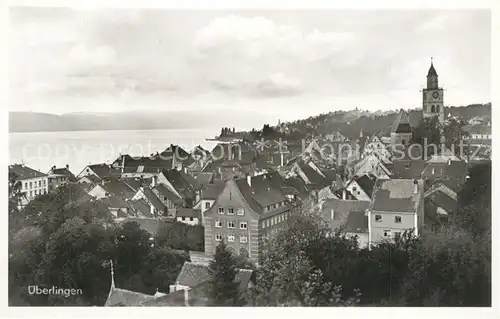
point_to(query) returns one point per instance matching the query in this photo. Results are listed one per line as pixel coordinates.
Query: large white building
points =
(32, 182)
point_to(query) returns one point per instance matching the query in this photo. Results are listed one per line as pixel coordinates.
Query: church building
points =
(432, 100)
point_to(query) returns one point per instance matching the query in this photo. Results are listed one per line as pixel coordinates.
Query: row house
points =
(244, 216)
(208, 196)
(59, 177)
(31, 183)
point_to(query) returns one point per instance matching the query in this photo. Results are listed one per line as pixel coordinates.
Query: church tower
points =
(432, 100)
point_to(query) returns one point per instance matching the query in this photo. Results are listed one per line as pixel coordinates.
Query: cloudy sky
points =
(297, 63)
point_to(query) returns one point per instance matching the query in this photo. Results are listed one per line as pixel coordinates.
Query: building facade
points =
(32, 183)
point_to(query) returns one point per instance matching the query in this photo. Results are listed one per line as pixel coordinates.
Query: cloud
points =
(81, 54)
(279, 84)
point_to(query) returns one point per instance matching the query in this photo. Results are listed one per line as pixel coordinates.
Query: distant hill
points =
(350, 123)
(137, 120)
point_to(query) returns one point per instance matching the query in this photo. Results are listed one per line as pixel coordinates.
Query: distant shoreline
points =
(113, 129)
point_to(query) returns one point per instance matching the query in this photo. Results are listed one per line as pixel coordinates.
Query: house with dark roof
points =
(157, 208)
(32, 182)
(376, 146)
(59, 176)
(361, 188)
(451, 173)
(335, 212)
(181, 183)
(209, 194)
(397, 205)
(357, 226)
(243, 215)
(408, 169)
(169, 198)
(401, 131)
(373, 165)
(101, 171)
(112, 187)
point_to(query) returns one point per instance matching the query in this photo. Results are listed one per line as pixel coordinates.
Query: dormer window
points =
(221, 210)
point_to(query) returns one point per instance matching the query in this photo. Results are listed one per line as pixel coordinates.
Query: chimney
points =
(67, 166)
(344, 194)
(415, 186)
(449, 161)
(186, 297)
(153, 181)
(249, 180)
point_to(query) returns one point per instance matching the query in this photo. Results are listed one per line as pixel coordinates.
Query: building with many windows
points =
(244, 215)
(32, 183)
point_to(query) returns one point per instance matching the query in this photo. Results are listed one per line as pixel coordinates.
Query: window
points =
(218, 224)
(354, 188)
(31, 193)
(25, 184)
(243, 225)
(230, 211)
(397, 219)
(263, 224)
(31, 184)
(191, 218)
(230, 224)
(378, 218)
(268, 223)
(221, 210)
(207, 204)
(272, 221)
(241, 211)
(218, 237)
(387, 233)
(230, 238)
(243, 239)
(39, 183)
(183, 218)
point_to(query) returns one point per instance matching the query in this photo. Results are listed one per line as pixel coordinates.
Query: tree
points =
(177, 235)
(224, 291)
(428, 135)
(453, 134)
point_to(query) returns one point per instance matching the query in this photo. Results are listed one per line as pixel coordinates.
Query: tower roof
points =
(402, 123)
(432, 71)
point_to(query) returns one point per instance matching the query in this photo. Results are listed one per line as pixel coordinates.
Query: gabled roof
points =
(402, 123)
(104, 170)
(164, 191)
(212, 191)
(64, 171)
(441, 199)
(312, 175)
(366, 183)
(119, 189)
(153, 199)
(197, 297)
(341, 210)
(396, 195)
(204, 178)
(140, 207)
(24, 172)
(299, 185)
(122, 297)
(247, 193)
(451, 174)
(114, 202)
(92, 178)
(192, 274)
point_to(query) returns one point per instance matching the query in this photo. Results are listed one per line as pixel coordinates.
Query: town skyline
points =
(280, 60)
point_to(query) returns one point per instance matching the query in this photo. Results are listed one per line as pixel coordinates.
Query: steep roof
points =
(441, 199)
(432, 71)
(24, 172)
(451, 174)
(204, 178)
(396, 195)
(64, 171)
(104, 170)
(408, 169)
(366, 183)
(164, 191)
(197, 297)
(119, 189)
(212, 191)
(153, 199)
(247, 193)
(402, 123)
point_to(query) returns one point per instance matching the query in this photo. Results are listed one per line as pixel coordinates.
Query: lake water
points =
(42, 150)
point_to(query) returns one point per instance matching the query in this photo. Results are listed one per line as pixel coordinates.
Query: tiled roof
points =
(452, 175)
(396, 195)
(153, 199)
(357, 222)
(366, 183)
(104, 170)
(141, 207)
(192, 274)
(64, 171)
(119, 189)
(183, 183)
(341, 210)
(165, 192)
(212, 191)
(314, 177)
(247, 193)
(188, 212)
(114, 202)
(122, 297)
(204, 178)
(92, 178)
(298, 184)
(24, 172)
(407, 169)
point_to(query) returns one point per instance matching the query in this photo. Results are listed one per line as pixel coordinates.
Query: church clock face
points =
(435, 95)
